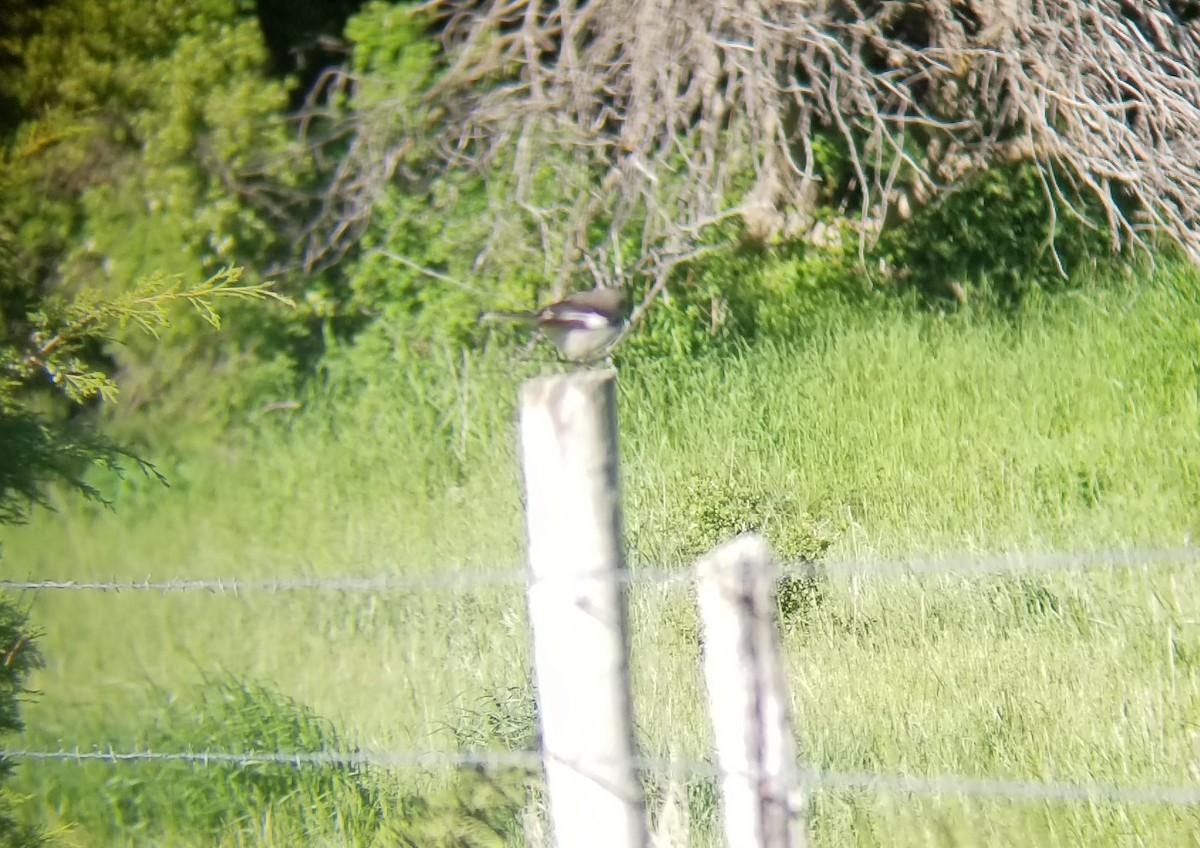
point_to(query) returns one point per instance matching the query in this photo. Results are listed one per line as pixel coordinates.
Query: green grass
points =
(1072, 424)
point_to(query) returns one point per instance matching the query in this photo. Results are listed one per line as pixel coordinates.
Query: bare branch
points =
(661, 116)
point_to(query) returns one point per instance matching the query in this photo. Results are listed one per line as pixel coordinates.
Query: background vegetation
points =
(896, 432)
(959, 383)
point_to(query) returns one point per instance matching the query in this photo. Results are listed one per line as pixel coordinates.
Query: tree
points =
(18, 657)
(622, 131)
(148, 135)
(50, 364)
(52, 353)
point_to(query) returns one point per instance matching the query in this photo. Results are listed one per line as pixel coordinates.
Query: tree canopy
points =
(397, 174)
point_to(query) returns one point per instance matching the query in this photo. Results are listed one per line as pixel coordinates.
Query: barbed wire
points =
(273, 585)
(811, 777)
(488, 759)
(964, 564)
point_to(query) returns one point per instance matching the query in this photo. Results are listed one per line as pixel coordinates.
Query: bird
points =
(582, 326)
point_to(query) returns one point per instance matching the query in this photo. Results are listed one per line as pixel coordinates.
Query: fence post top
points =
(748, 549)
(580, 377)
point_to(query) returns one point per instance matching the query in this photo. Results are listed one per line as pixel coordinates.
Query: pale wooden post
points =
(743, 667)
(577, 609)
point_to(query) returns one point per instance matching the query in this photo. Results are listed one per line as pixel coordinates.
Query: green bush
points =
(292, 802)
(210, 800)
(715, 510)
(1002, 234)
(18, 657)
(147, 136)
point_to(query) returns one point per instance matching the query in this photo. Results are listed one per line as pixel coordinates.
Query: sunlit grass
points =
(1074, 424)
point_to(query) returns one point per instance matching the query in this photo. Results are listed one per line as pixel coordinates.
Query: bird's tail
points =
(498, 316)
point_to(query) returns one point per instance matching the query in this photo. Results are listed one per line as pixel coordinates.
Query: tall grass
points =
(1071, 423)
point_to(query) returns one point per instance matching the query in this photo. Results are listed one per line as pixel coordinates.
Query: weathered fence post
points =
(743, 667)
(577, 608)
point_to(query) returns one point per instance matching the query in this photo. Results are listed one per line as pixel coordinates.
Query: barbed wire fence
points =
(963, 564)
(960, 565)
(794, 778)
(812, 777)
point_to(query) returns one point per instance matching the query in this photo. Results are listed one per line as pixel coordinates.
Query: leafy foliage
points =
(426, 262)
(715, 510)
(54, 358)
(233, 716)
(148, 137)
(60, 331)
(160, 142)
(39, 453)
(1002, 231)
(18, 657)
(305, 802)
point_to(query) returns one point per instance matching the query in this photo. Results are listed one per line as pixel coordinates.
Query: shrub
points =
(213, 799)
(18, 657)
(716, 510)
(1000, 231)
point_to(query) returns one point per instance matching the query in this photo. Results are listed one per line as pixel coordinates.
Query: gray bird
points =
(582, 326)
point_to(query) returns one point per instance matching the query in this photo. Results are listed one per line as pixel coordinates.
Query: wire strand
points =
(811, 778)
(965, 564)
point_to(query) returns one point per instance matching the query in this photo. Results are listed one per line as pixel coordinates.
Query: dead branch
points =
(667, 115)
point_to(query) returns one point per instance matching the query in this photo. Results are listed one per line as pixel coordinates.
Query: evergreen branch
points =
(61, 329)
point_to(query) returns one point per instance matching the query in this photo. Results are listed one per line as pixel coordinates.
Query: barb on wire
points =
(273, 585)
(462, 579)
(811, 778)
(487, 759)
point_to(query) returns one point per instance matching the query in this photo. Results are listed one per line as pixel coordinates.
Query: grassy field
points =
(1071, 424)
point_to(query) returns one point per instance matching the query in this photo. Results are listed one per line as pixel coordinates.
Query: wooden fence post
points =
(577, 609)
(743, 667)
